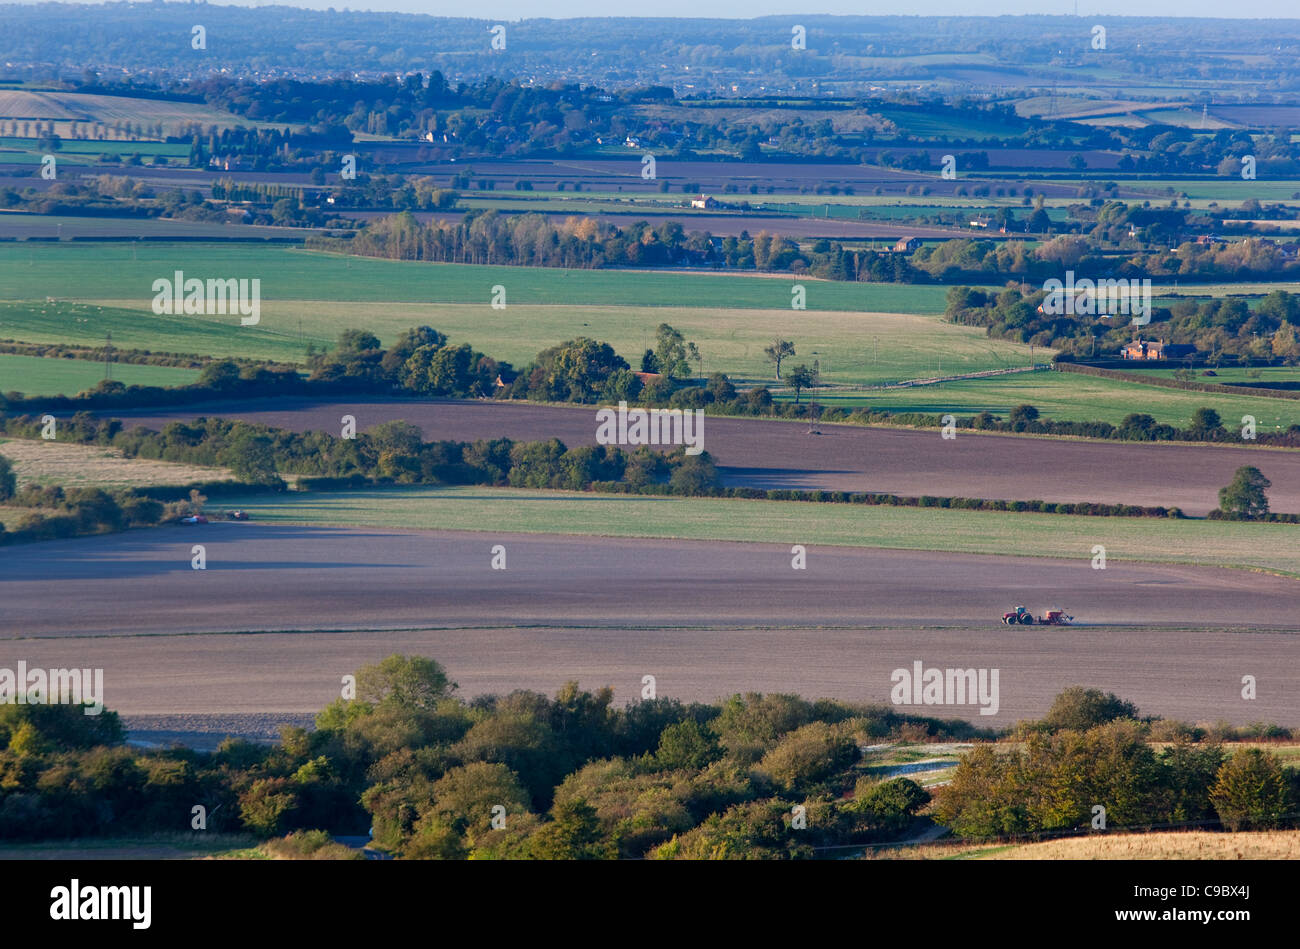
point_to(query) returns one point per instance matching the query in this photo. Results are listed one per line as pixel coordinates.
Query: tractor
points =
(1023, 617)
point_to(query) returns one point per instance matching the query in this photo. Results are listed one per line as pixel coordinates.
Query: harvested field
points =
(76, 466)
(1180, 845)
(771, 454)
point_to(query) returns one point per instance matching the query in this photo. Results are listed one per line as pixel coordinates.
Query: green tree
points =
(8, 481)
(578, 369)
(572, 834)
(686, 744)
(223, 374)
(1251, 790)
(673, 353)
(1206, 422)
(1245, 496)
(800, 378)
(1022, 416)
(404, 681)
(251, 457)
(1079, 709)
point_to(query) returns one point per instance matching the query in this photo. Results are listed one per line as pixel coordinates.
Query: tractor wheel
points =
(1027, 619)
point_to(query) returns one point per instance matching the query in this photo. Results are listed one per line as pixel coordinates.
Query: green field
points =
(1256, 376)
(1061, 395)
(121, 272)
(21, 225)
(24, 151)
(859, 333)
(33, 375)
(851, 347)
(1269, 547)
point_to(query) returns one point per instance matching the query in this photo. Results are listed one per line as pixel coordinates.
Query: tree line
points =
(527, 776)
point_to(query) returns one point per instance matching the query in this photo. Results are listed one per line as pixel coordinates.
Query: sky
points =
(522, 9)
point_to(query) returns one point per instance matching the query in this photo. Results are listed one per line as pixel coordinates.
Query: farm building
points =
(1154, 349)
(705, 202)
(906, 245)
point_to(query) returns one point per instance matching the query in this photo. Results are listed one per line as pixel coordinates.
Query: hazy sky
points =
(518, 9)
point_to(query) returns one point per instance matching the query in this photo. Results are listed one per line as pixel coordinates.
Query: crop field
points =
(117, 272)
(1266, 547)
(1073, 396)
(33, 375)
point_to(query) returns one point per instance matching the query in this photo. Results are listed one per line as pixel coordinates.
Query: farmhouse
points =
(1154, 349)
(906, 245)
(704, 201)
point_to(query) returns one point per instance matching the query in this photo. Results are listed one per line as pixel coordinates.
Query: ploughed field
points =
(265, 633)
(771, 454)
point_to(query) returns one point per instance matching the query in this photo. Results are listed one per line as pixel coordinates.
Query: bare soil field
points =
(770, 454)
(265, 633)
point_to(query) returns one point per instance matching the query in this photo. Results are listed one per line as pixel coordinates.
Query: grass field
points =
(1061, 395)
(1221, 376)
(1269, 547)
(33, 375)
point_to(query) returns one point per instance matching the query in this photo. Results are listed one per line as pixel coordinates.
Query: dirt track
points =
(768, 454)
(707, 619)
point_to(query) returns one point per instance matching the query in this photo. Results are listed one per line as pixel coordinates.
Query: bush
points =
(1079, 709)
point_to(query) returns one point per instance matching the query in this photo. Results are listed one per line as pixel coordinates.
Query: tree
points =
(777, 351)
(251, 457)
(578, 369)
(686, 744)
(8, 482)
(1206, 422)
(408, 681)
(1251, 790)
(573, 834)
(672, 352)
(1022, 416)
(219, 375)
(800, 377)
(1245, 496)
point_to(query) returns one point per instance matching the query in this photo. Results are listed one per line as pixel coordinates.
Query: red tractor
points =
(1021, 616)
